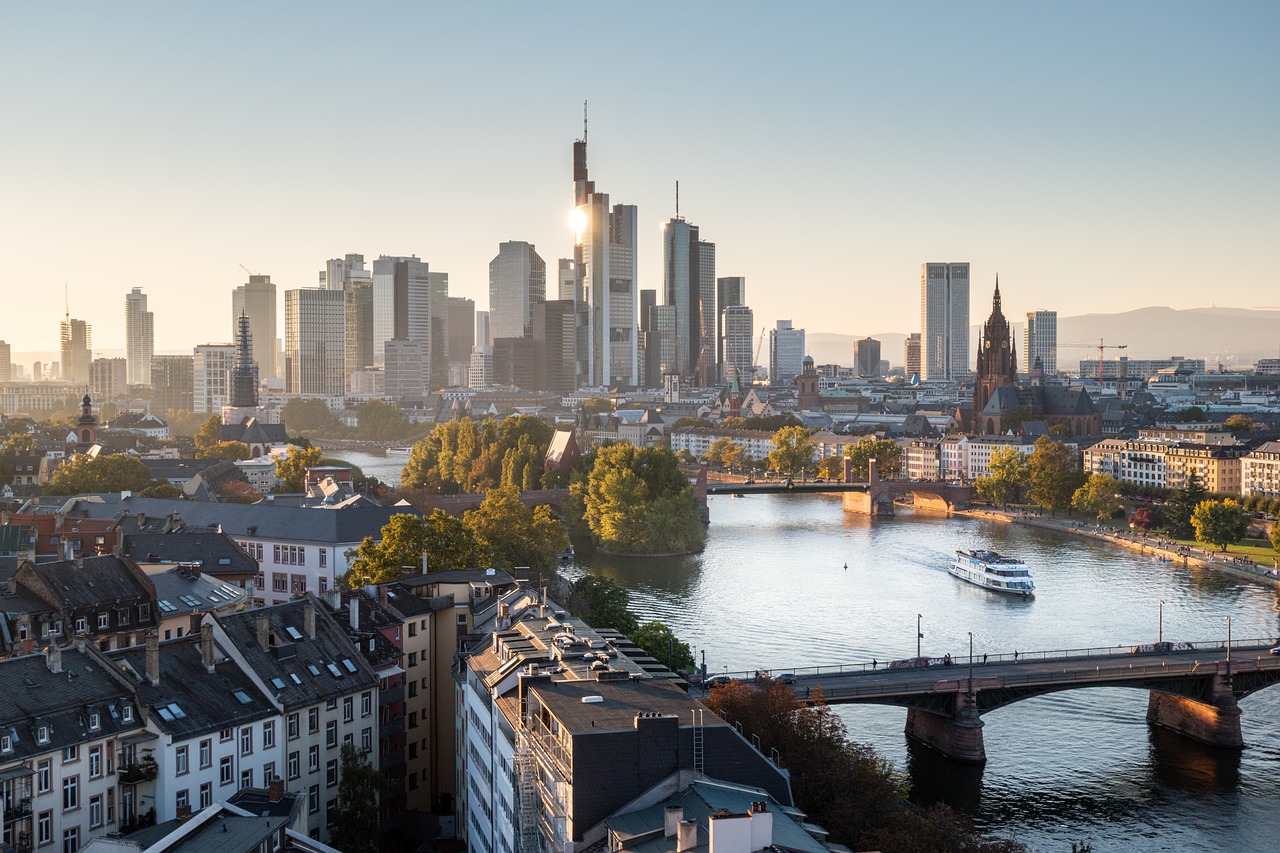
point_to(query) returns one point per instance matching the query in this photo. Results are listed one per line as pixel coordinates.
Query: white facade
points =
(1040, 340)
(944, 320)
(924, 459)
(314, 339)
(786, 353)
(517, 280)
(139, 336)
(211, 377)
(1140, 461)
(1260, 471)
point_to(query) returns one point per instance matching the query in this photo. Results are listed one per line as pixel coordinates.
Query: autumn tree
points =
(234, 451)
(1220, 523)
(638, 501)
(448, 543)
(291, 470)
(1054, 474)
(794, 448)
(84, 474)
(239, 492)
(161, 489)
(310, 415)
(209, 434)
(886, 452)
(1098, 496)
(1239, 423)
(1008, 474)
(832, 467)
(1144, 518)
(726, 452)
(1275, 536)
(516, 535)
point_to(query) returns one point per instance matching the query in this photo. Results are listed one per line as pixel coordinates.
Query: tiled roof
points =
(91, 581)
(215, 553)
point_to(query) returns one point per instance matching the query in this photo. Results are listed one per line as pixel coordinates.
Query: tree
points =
(516, 535)
(638, 501)
(1275, 535)
(161, 489)
(1239, 423)
(1009, 473)
(381, 421)
(1191, 414)
(84, 474)
(794, 450)
(685, 457)
(1144, 518)
(310, 415)
(1063, 430)
(291, 470)
(1015, 418)
(725, 451)
(235, 451)
(354, 826)
(209, 434)
(886, 452)
(20, 444)
(1183, 504)
(1098, 496)
(451, 544)
(1055, 476)
(1220, 523)
(447, 542)
(661, 644)
(597, 405)
(239, 492)
(602, 603)
(832, 467)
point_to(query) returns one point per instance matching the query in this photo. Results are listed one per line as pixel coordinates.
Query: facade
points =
(108, 378)
(6, 365)
(139, 337)
(412, 303)
(1260, 471)
(340, 272)
(911, 355)
(315, 350)
(404, 369)
(480, 371)
(1219, 467)
(1139, 368)
(77, 351)
(553, 335)
(997, 362)
(866, 358)
(689, 285)
(172, 383)
(517, 282)
(462, 337)
(944, 320)
(1139, 461)
(923, 459)
(257, 300)
(737, 344)
(1040, 341)
(211, 377)
(786, 353)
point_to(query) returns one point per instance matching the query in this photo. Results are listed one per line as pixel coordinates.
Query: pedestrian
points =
(874, 663)
(984, 657)
(1015, 655)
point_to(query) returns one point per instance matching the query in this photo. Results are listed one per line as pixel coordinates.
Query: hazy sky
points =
(1101, 156)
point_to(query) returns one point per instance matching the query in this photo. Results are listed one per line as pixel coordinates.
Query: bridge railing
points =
(1120, 650)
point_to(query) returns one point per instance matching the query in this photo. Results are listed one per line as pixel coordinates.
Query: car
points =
(717, 681)
(749, 482)
(1276, 650)
(819, 480)
(786, 678)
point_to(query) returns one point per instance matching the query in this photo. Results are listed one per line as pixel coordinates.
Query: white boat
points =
(399, 451)
(993, 571)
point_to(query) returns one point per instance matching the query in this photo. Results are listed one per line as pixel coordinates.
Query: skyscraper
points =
(6, 366)
(353, 278)
(911, 354)
(944, 320)
(411, 303)
(1040, 340)
(462, 337)
(566, 279)
(315, 353)
(139, 337)
(866, 358)
(172, 383)
(211, 377)
(339, 272)
(77, 351)
(786, 353)
(604, 262)
(404, 369)
(730, 291)
(257, 299)
(553, 335)
(689, 284)
(517, 282)
(438, 331)
(108, 378)
(737, 323)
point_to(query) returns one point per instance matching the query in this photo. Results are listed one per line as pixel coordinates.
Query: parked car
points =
(786, 678)
(1276, 650)
(750, 481)
(718, 681)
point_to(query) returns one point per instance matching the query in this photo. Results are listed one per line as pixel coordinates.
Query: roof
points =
(215, 553)
(623, 700)
(497, 577)
(182, 590)
(177, 469)
(253, 431)
(87, 582)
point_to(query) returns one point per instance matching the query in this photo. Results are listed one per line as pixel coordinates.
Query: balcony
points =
(143, 770)
(391, 727)
(390, 695)
(16, 811)
(391, 758)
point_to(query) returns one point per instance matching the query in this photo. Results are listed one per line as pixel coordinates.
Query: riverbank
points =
(1153, 546)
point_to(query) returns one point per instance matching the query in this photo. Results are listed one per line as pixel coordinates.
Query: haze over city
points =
(1101, 158)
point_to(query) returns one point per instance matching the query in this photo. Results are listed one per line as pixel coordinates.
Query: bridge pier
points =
(957, 735)
(1216, 722)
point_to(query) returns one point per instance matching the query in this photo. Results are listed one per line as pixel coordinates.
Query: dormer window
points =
(42, 734)
(126, 713)
(6, 743)
(95, 721)
(104, 621)
(82, 625)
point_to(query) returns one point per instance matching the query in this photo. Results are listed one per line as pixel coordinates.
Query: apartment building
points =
(1218, 466)
(1260, 470)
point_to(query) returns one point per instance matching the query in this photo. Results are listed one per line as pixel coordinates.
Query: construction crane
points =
(246, 269)
(755, 360)
(1101, 346)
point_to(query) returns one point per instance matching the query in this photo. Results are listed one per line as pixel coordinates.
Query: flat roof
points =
(622, 701)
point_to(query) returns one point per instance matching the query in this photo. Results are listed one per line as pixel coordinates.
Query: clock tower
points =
(997, 357)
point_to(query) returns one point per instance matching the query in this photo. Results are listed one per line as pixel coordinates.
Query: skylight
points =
(296, 679)
(349, 665)
(334, 671)
(311, 668)
(166, 606)
(242, 697)
(177, 712)
(277, 683)
(293, 633)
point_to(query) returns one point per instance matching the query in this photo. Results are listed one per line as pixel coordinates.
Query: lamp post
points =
(970, 664)
(1228, 645)
(919, 635)
(1160, 624)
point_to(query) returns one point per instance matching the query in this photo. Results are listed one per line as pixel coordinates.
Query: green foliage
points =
(597, 406)
(602, 603)
(773, 423)
(448, 542)
(82, 474)
(181, 421)
(20, 444)
(684, 457)
(1183, 504)
(888, 456)
(1009, 473)
(516, 535)
(235, 451)
(1098, 496)
(354, 827)
(726, 452)
(209, 435)
(292, 471)
(831, 467)
(1055, 475)
(1239, 423)
(1014, 418)
(161, 489)
(1189, 415)
(794, 448)
(1221, 523)
(1063, 430)
(661, 644)
(637, 501)
(381, 421)
(309, 415)
(1275, 535)
(458, 456)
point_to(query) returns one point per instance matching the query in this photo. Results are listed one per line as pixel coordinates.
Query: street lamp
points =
(1160, 624)
(1228, 645)
(970, 663)
(919, 635)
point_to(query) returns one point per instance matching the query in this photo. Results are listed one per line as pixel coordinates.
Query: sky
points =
(1099, 156)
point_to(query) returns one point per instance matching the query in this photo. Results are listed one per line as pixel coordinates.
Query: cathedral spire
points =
(995, 302)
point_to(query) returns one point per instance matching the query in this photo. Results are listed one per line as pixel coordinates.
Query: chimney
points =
(275, 789)
(206, 646)
(53, 659)
(264, 635)
(382, 594)
(729, 833)
(153, 658)
(671, 820)
(353, 609)
(309, 617)
(686, 835)
(761, 827)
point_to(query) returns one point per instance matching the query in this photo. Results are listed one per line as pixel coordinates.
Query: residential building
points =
(1138, 461)
(77, 351)
(689, 285)
(922, 459)
(517, 282)
(172, 383)
(257, 300)
(211, 377)
(944, 320)
(786, 353)
(911, 355)
(1040, 341)
(315, 349)
(738, 344)
(1260, 471)
(1218, 466)
(866, 358)
(139, 337)
(108, 378)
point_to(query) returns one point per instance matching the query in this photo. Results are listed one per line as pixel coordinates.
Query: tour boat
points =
(399, 451)
(993, 571)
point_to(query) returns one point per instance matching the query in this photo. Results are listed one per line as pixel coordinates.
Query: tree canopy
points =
(291, 471)
(239, 492)
(637, 501)
(235, 451)
(601, 603)
(1239, 423)
(1183, 503)
(516, 535)
(309, 415)
(209, 435)
(793, 453)
(448, 542)
(886, 452)
(1099, 496)
(1055, 474)
(82, 474)
(660, 643)
(1221, 523)
(459, 456)
(354, 827)
(1008, 474)
(726, 452)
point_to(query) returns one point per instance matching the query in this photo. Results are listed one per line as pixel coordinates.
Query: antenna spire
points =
(584, 122)
(66, 295)
(677, 199)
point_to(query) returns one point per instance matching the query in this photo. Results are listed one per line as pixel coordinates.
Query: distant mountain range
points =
(1234, 336)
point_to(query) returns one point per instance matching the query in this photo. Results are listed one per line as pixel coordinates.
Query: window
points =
(44, 777)
(95, 762)
(44, 828)
(279, 582)
(324, 558)
(111, 804)
(42, 734)
(82, 625)
(329, 809)
(291, 727)
(413, 629)
(206, 795)
(104, 621)
(294, 771)
(122, 617)
(246, 740)
(331, 734)
(182, 799)
(366, 704)
(313, 759)
(126, 713)
(71, 753)
(262, 580)
(226, 735)
(6, 743)
(206, 753)
(95, 721)
(313, 720)
(413, 658)
(332, 704)
(331, 773)
(324, 585)
(246, 778)
(297, 584)
(313, 799)
(95, 812)
(70, 793)
(275, 553)
(348, 709)
(71, 840)
(268, 772)
(349, 739)
(144, 612)
(366, 739)
(180, 761)
(224, 770)
(268, 734)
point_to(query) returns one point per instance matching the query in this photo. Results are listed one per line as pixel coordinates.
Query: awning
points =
(388, 671)
(18, 771)
(137, 738)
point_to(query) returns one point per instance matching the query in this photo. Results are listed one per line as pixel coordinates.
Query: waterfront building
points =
(866, 358)
(737, 344)
(1138, 461)
(517, 282)
(108, 378)
(172, 383)
(139, 337)
(257, 300)
(1040, 341)
(1124, 367)
(315, 350)
(211, 377)
(76, 351)
(944, 320)
(922, 459)
(1218, 466)
(911, 355)
(786, 353)
(1260, 471)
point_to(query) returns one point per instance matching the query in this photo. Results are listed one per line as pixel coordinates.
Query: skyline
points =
(1100, 159)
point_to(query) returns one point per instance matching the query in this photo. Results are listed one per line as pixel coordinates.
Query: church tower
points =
(86, 427)
(997, 357)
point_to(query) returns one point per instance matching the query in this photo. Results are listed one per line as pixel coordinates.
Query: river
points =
(771, 591)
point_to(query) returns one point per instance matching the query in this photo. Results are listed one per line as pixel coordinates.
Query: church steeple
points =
(995, 301)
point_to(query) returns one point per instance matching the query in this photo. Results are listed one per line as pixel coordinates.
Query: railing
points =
(145, 770)
(550, 750)
(17, 810)
(391, 695)
(391, 727)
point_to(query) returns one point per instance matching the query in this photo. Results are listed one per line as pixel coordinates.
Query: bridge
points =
(1193, 690)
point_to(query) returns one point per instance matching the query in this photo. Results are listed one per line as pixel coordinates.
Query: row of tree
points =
(461, 456)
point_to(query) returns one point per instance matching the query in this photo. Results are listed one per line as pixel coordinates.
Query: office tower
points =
(438, 331)
(139, 337)
(786, 353)
(482, 338)
(737, 323)
(944, 320)
(517, 282)
(314, 350)
(257, 299)
(411, 303)
(462, 328)
(866, 358)
(604, 261)
(37, 371)
(340, 272)
(357, 298)
(404, 370)
(689, 284)
(566, 279)
(660, 345)
(172, 383)
(211, 377)
(244, 373)
(480, 374)
(514, 362)
(108, 378)
(1040, 340)
(911, 355)
(730, 291)
(553, 335)
(6, 366)
(77, 346)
